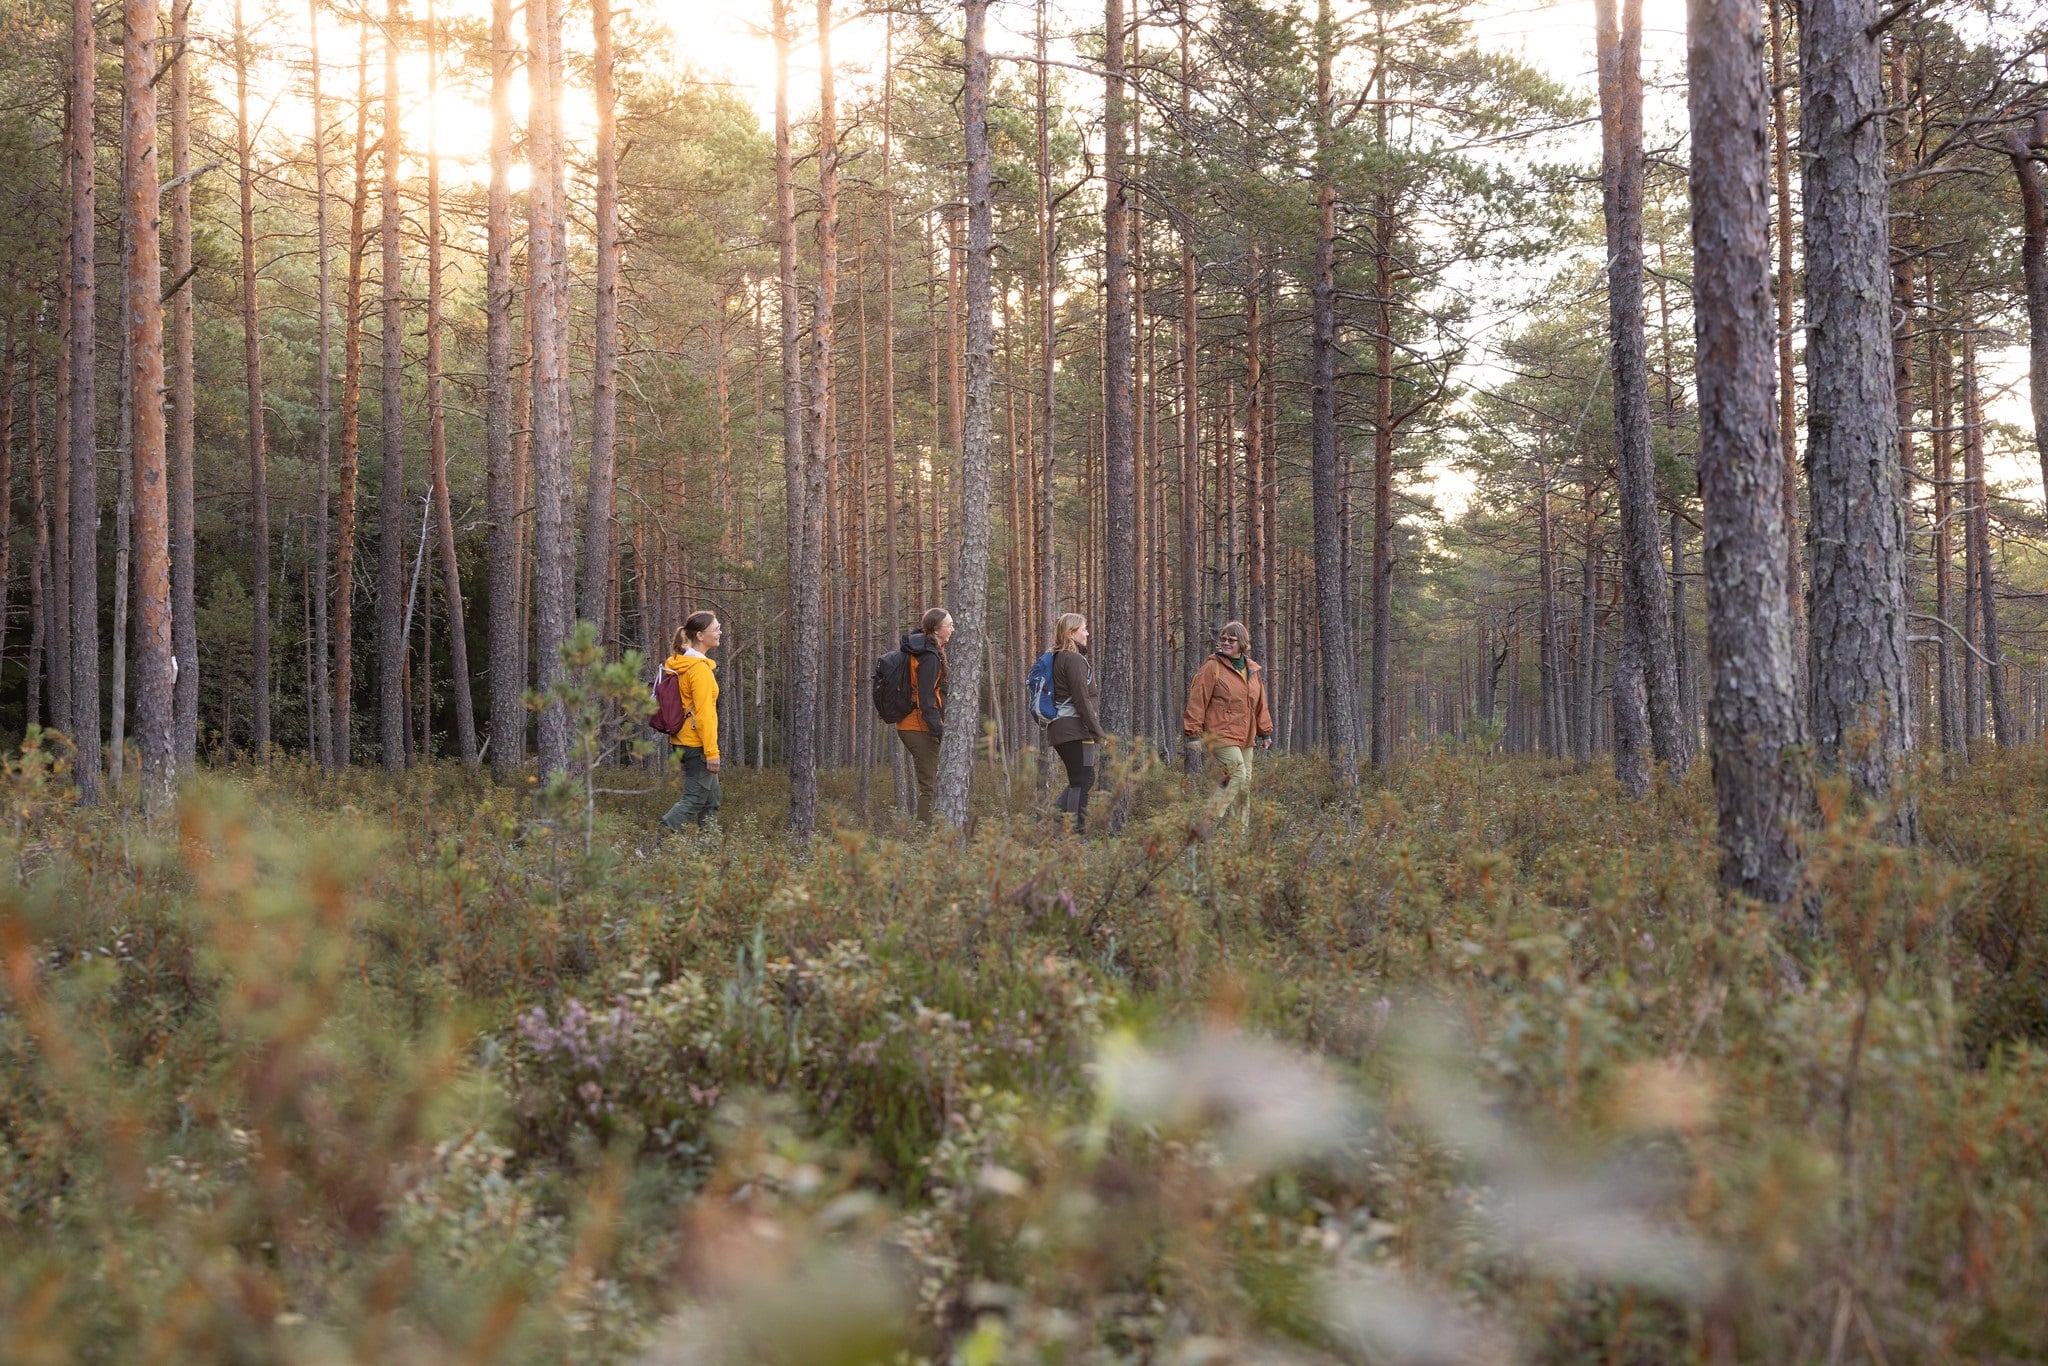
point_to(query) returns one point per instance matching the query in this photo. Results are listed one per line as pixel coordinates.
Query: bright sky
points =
(727, 40)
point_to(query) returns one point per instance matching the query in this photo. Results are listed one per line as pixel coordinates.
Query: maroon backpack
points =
(668, 714)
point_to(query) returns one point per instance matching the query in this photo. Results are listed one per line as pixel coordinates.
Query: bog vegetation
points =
(323, 1069)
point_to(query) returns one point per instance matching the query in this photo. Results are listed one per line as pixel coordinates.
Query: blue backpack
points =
(1038, 692)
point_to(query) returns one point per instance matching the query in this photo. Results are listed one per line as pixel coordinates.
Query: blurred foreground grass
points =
(340, 1069)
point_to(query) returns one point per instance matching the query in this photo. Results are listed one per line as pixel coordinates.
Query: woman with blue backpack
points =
(1074, 732)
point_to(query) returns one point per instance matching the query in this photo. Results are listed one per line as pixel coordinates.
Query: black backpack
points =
(890, 685)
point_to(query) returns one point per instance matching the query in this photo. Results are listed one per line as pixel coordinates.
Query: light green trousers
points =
(1236, 792)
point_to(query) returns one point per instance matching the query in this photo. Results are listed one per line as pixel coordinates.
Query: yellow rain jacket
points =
(697, 681)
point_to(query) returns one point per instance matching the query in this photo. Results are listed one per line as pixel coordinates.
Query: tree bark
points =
(257, 437)
(1645, 630)
(1753, 719)
(1190, 417)
(1978, 493)
(1856, 650)
(599, 535)
(1788, 395)
(1120, 551)
(7, 466)
(805, 591)
(83, 548)
(1048, 323)
(508, 683)
(351, 413)
(547, 327)
(322, 703)
(963, 733)
(1947, 685)
(1340, 730)
(391, 483)
(2024, 147)
(823, 447)
(437, 431)
(179, 436)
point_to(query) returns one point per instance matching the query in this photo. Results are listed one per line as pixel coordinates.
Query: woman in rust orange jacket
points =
(1227, 715)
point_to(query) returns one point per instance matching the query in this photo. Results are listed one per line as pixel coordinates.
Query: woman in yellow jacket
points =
(697, 742)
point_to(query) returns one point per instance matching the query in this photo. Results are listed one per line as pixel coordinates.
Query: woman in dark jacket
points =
(1075, 732)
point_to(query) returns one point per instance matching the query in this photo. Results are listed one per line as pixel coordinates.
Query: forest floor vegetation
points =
(335, 1067)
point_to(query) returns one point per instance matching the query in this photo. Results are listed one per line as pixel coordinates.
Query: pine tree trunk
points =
(2025, 149)
(1340, 728)
(823, 448)
(39, 595)
(1753, 718)
(1190, 417)
(179, 436)
(257, 435)
(1978, 492)
(963, 733)
(124, 454)
(1646, 633)
(599, 535)
(805, 590)
(391, 690)
(437, 432)
(7, 470)
(1788, 393)
(351, 415)
(322, 701)
(1255, 465)
(83, 548)
(508, 707)
(1048, 324)
(1856, 653)
(1947, 685)
(1118, 635)
(554, 531)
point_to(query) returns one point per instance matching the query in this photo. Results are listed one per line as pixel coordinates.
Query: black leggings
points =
(1079, 757)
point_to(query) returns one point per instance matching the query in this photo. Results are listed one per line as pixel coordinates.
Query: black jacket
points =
(930, 673)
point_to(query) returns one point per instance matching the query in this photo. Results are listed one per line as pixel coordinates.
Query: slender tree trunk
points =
(963, 735)
(1856, 653)
(2024, 147)
(39, 594)
(437, 431)
(547, 327)
(1048, 325)
(179, 437)
(322, 701)
(508, 707)
(823, 448)
(85, 502)
(598, 532)
(1947, 685)
(257, 435)
(1190, 390)
(1788, 396)
(805, 590)
(124, 455)
(1119, 627)
(1255, 465)
(1340, 728)
(391, 690)
(1381, 737)
(7, 469)
(1646, 633)
(351, 414)
(1753, 719)
(58, 653)
(1979, 496)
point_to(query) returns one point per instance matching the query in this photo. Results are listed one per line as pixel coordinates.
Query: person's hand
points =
(1265, 742)
(711, 764)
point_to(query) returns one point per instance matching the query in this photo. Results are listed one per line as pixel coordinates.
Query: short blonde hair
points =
(1236, 631)
(1063, 630)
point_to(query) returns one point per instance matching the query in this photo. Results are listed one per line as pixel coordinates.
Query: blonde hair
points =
(1236, 631)
(1063, 629)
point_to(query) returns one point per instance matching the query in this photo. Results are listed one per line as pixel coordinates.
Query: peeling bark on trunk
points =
(1856, 651)
(1753, 719)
